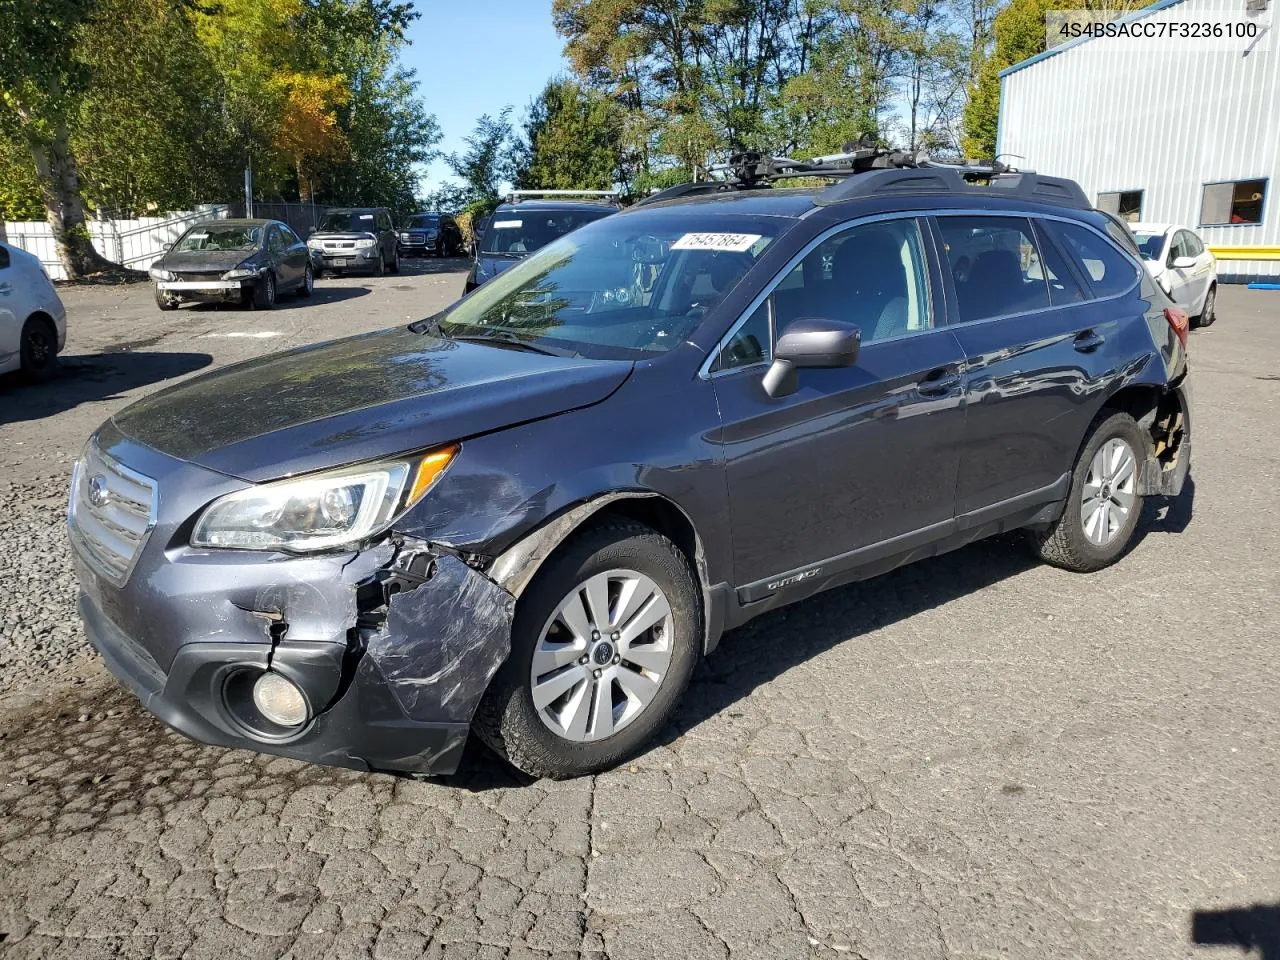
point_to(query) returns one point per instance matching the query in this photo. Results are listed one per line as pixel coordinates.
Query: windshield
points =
(346, 222)
(213, 236)
(625, 287)
(423, 223)
(1150, 245)
(517, 232)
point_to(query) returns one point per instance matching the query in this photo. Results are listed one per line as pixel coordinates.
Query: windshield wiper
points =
(505, 338)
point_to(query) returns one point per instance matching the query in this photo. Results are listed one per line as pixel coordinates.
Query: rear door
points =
(295, 252)
(857, 456)
(1040, 352)
(278, 251)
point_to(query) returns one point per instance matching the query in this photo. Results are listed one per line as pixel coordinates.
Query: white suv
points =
(1182, 265)
(33, 322)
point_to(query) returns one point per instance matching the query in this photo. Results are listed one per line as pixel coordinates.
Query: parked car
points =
(33, 322)
(527, 222)
(1183, 267)
(532, 513)
(425, 233)
(361, 239)
(245, 262)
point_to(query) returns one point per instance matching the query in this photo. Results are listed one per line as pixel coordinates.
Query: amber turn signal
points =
(429, 468)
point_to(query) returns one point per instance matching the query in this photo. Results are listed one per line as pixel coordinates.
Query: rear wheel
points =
(603, 645)
(1103, 505)
(38, 349)
(308, 282)
(1208, 314)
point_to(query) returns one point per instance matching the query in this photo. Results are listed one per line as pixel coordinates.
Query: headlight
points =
(159, 274)
(364, 244)
(404, 236)
(241, 273)
(321, 511)
(315, 244)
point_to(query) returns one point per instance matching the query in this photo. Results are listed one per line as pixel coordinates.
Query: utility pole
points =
(248, 189)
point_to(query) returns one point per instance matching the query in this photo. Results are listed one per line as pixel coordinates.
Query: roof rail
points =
(689, 190)
(993, 180)
(515, 196)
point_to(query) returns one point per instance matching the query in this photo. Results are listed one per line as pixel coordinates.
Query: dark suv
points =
(528, 221)
(435, 233)
(531, 514)
(360, 239)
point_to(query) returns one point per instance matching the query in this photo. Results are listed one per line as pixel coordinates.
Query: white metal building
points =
(1166, 133)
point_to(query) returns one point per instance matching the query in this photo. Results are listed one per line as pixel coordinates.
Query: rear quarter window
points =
(1107, 271)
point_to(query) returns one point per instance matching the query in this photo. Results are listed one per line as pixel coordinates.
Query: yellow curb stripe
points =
(1245, 253)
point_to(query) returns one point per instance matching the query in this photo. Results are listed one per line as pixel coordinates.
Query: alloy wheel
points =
(602, 655)
(1109, 494)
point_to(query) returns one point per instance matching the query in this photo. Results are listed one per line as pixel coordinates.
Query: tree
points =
(41, 84)
(488, 162)
(571, 140)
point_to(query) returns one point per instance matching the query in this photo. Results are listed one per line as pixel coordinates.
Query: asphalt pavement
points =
(973, 757)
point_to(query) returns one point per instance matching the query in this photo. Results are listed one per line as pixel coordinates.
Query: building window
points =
(1237, 201)
(1125, 204)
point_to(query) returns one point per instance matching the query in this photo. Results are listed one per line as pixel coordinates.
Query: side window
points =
(275, 240)
(753, 343)
(1194, 246)
(872, 275)
(996, 266)
(287, 237)
(1063, 286)
(1109, 272)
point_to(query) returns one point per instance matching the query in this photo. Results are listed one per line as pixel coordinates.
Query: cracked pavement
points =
(972, 757)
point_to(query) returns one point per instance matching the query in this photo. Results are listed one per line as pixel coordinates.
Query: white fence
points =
(133, 243)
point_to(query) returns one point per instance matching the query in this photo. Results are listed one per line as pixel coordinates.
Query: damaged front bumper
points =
(392, 647)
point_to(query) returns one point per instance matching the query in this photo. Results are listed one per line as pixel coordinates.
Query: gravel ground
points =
(40, 634)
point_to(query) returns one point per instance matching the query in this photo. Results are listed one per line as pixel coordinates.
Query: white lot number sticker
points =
(507, 224)
(732, 242)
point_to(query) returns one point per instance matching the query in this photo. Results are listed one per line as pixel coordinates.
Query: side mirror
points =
(810, 342)
(1184, 263)
(166, 247)
(311, 229)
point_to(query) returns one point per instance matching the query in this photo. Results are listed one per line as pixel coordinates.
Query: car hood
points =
(360, 398)
(489, 267)
(201, 261)
(342, 235)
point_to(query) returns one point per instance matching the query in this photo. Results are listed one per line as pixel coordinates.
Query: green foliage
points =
(571, 140)
(163, 102)
(697, 79)
(488, 161)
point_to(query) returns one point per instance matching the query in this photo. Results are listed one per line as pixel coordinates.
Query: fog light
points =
(279, 700)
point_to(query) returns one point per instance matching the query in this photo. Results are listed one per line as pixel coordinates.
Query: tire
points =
(395, 261)
(38, 349)
(166, 303)
(1072, 542)
(308, 282)
(1209, 313)
(508, 719)
(264, 293)
(381, 268)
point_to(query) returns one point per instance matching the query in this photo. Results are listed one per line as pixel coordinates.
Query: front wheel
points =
(165, 302)
(1103, 504)
(264, 292)
(602, 648)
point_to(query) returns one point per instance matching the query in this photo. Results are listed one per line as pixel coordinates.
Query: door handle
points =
(5, 289)
(938, 383)
(1088, 341)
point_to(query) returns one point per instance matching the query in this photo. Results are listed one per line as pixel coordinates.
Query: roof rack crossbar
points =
(517, 195)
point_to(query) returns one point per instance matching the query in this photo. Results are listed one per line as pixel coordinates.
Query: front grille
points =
(201, 275)
(339, 244)
(111, 513)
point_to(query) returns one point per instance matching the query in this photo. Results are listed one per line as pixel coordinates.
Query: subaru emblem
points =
(98, 493)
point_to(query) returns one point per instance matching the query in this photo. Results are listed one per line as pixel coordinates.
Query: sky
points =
(477, 56)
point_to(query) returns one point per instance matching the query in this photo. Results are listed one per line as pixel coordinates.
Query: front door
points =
(857, 456)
